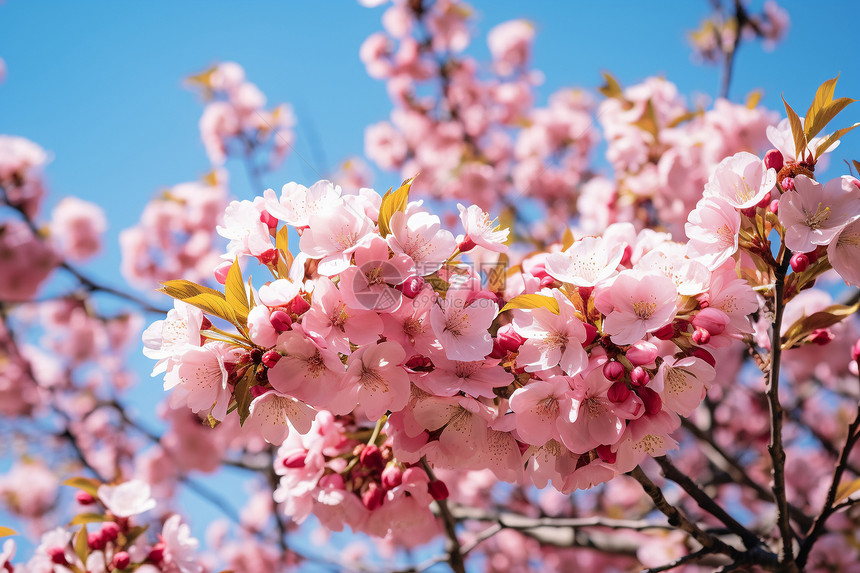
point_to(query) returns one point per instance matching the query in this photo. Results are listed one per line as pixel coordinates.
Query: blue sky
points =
(98, 84)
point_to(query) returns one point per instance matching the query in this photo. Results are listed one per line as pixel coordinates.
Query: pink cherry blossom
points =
(419, 235)
(248, 235)
(682, 383)
(742, 180)
(333, 235)
(637, 303)
(369, 284)
(127, 499)
(538, 405)
(551, 339)
(307, 370)
(813, 214)
(164, 340)
(273, 415)
(330, 319)
(76, 227)
(712, 228)
(461, 325)
(374, 375)
(200, 379)
(481, 231)
(585, 263)
(297, 203)
(510, 44)
(843, 253)
(179, 547)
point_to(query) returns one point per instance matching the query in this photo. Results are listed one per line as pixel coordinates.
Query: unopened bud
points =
(799, 262)
(590, 333)
(419, 361)
(642, 353)
(110, 530)
(749, 212)
(57, 555)
(652, 401)
(411, 286)
(765, 201)
(373, 496)
(788, 183)
(221, 272)
(392, 476)
(497, 352)
(821, 336)
(96, 541)
(371, 457)
(613, 370)
(467, 245)
(547, 281)
(121, 560)
(666, 332)
(156, 554)
(701, 336)
(773, 159)
(855, 351)
(298, 305)
(281, 321)
(84, 498)
(618, 392)
(438, 490)
(606, 454)
(774, 206)
(509, 339)
(270, 358)
(639, 376)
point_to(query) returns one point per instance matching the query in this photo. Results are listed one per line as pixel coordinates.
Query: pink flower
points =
(248, 235)
(481, 231)
(636, 303)
(179, 547)
(368, 284)
(330, 319)
(683, 383)
(742, 180)
(510, 45)
(476, 378)
(410, 325)
(166, 339)
(733, 296)
(420, 235)
(463, 422)
(551, 339)
(384, 145)
(646, 436)
(461, 325)
(713, 228)
(273, 415)
(309, 372)
(297, 203)
(538, 405)
(585, 263)
(77, 227)
(127, 499)
(200, 379)
(333, 236)
(843, 253)
(375, 377)
(813, 214)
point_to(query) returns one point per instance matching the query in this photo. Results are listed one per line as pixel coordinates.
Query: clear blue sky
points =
(98, 84)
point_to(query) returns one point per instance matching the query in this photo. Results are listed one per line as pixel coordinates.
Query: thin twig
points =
(455, 554)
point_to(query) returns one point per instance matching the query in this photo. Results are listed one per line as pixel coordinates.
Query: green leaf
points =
(828, 142)
(796, 130)
(80, 544)
(91, 486)
(242, 394)
(845, 489)
(206, 299)
(611, 88)
(235, 294)
(6, 532)
(805, 325)
(392, 203)
(532, 301)
(83, 518)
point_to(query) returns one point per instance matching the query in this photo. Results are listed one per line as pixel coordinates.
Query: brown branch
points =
(455, 551)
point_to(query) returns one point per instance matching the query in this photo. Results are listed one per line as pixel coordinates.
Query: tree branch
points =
(455, 551)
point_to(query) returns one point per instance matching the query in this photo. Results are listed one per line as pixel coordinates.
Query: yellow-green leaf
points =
(285, 257)
(234, 292)
(91, 486)
(805, 325)
(392, 203)
(206, 299)
(242, 395)
(828, 141)
(6, 532)
(80, 544)
(611, 88)
(685, 117)
(845, 489)
(823, 109)
(796, 130)
(497, 275)
(648, 121)
(856, 166)
(532, 301)
(567, 239)
(83, 518)
(753, 98)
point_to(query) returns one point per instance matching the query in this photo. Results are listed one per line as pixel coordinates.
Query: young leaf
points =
(6, 532)
(204, 298)
(823, 109)
(531, 301)
(242, 394)
(83, 518)
(648, 121)
(285, 258)
(828, 142)
(91, 486)
(567, 239)
(392, 203)
(753, 98)
(234, 291)
(81, 548)
(796, 130)
(611, 89)
(804, 326)
(845, 489)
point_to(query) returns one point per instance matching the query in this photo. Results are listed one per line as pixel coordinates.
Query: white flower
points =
(126, 499)
(179, 546)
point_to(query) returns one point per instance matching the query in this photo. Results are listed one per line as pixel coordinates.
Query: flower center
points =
(644, 309)
(817, 219)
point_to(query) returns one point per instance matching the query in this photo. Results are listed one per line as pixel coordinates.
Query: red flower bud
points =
(411, 286)
(270, 358)
(497, 352)
(821, 336)
(373, 496)
(547, 282)
(774, 206)
(392, 476)
(799, 262)
(509, 339)
(121, 560)
(267, 218)
(110, 530)
(773, 159)
(855, 351)
(84, 498)
(467, 245)
(749, 212)
(96, 540)
(613, 370)
(585, 293)
(590, 333)
(221, 272)
(295, 459)
(57, 555)
(642, 353)
(765, 201)
(371, 457)
(298, 305)
(639, 376)
(269, 257)
(256, 355)
(666, 332)
(281, 321)
(618, 392)
(788, 183)
(438, 490)
(419, 361)
(701, 336)
(156, 554)
(606, 454)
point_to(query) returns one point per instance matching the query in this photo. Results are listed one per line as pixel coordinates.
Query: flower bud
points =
(298, 305)
(267, 218)
(84, 498)
(392, 476)
(711, 319)
(821, 336)
(704, 355)
(411, 286)
(749, 212)
(642, 353)
(498, 352)
(121, 560)
(438, 490)
(256, 355)
(269, 257)
(855, 351)
(618, 392)
(701, 336)
(773, 159)
(96, 541)
(788, 183)
(509, 339)
(57, 555)
(547, 282)
(270, 358)
(281, 321)
(813, 255)
(613, 370)
(110, 530)
(774, 206)
(606, 454)
(295, 459)
(585, 293)
(371, 457)
(221, 272)
(156, 554)
(799, 262)
(666, 332)
(639, 376)
(373, 496)
(419, 361)
(652, 401)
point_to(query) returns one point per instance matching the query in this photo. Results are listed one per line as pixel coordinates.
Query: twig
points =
(695, 556)
(455, 555)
